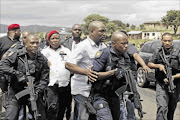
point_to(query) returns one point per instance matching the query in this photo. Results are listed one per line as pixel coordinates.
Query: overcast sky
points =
(65, 13)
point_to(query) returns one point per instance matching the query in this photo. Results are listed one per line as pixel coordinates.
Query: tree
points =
(93, 17)
(142, 27)
(133, 27)
(165, 22)
(119, 24)
(111, 27)
(172, 18)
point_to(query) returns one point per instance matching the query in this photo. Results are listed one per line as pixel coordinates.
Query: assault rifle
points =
(130, 82)
(29, 90)
(171, 86)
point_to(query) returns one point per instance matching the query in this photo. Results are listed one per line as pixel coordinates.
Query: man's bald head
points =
(116, 36)
(95, 24)
(26, 32)
(119, 42)
(24, 35)
(97, 31)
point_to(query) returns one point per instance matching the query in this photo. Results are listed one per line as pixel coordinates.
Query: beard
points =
(16, 37)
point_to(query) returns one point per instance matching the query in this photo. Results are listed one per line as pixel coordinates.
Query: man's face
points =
(167, 41)
(99, 33)
(24, 35)
(17, 34)
(54, 41)
(32, 44)
(120, 45)
(76, 31)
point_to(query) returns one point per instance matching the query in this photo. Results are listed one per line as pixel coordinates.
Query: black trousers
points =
(58, 98)
(166, 102)
(13, 106)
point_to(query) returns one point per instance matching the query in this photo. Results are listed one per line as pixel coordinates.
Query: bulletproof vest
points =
(20, 66)
(173, 59)
(111, 84)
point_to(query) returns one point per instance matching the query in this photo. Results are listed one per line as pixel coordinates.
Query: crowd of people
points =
(86, 71)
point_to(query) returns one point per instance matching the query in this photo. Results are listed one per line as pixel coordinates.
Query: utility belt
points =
(105, 88)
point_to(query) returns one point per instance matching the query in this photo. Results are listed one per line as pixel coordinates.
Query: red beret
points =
(51, 33)
(13, 26)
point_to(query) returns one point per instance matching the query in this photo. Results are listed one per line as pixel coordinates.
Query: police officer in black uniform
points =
(14, 66)
(6, 42)
(134, 56)
(12, 37)
(110, 77)
(166, 100)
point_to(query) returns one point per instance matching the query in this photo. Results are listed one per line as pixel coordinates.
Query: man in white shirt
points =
(73, 41)
(58, 88)
(79, 62)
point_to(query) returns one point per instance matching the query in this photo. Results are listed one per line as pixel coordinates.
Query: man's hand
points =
(119, 73)
(162, 68)
(92, 75)
(146, 69)
(166, 81)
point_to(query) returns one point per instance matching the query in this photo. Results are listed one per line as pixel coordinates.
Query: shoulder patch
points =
(13, 45)
(10, 53)
(98, 54)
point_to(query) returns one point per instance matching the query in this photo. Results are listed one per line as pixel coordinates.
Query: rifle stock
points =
(133, 91)
(22, 93)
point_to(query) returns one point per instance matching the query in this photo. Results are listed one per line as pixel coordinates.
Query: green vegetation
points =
(40, 35)
(172, 18)
(171, 21)
(111, 26)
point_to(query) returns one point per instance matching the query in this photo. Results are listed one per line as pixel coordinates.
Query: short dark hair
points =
(124, 32)
(166, 34)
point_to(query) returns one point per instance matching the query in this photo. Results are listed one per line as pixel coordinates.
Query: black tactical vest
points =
(173, 59)
(35, 67)
(108, 86)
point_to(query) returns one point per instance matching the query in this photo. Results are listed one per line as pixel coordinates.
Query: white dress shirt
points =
(58, 73)
(83, 56)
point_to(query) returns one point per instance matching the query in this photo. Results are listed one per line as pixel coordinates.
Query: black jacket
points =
(38, 69)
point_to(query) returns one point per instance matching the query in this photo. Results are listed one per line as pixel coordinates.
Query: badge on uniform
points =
(62, 53)
(10, 53)
(12, 46)
(98, 54)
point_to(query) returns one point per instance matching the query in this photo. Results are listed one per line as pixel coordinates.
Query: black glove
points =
(119, 73)
(20, 76)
